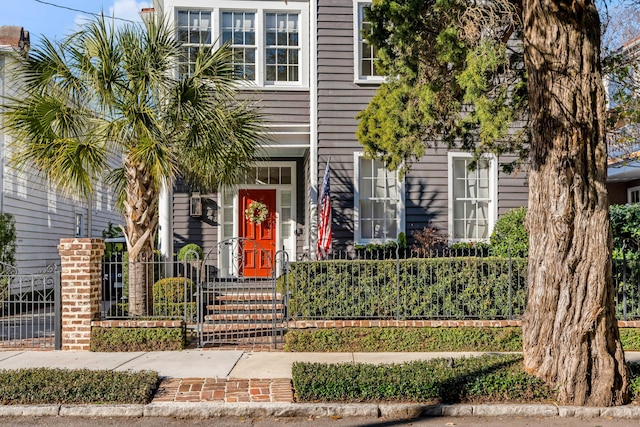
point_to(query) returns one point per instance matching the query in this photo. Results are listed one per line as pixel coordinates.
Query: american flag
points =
(324, 225)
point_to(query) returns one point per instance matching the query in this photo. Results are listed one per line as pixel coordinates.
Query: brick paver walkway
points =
(224, 390)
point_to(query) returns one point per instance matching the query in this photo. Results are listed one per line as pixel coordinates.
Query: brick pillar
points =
(81, 284)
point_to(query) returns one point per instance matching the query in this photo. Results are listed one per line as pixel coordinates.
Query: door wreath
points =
(256, 212)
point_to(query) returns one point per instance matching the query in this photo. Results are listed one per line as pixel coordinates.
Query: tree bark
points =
(141, 219)
(571, 337)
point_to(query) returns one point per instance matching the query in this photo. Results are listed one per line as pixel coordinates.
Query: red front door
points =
(258, 258)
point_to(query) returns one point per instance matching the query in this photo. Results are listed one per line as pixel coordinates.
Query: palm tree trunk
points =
(571, 337)
(141, 219)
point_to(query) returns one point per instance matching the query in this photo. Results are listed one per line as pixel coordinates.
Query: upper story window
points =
(282, 47)
(269, 46)
(378, 203)
(366, 56)
(194, 31)
(472, 197)
(633, 195)
(239, 29)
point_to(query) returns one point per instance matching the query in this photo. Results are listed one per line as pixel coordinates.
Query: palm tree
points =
(108, 94)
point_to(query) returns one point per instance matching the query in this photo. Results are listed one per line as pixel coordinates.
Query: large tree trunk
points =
(142, 220)
(571, 337)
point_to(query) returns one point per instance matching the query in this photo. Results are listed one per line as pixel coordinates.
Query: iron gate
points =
(30, 309)
(236, 306)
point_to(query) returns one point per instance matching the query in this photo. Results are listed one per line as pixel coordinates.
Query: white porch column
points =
(165, 228)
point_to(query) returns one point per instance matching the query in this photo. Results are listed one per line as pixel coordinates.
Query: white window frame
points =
(260, 8)
(79, 225)
(358, 15)
(245, 47)
(493, 194)
(189, 44)
(630, 191)
(400, 215)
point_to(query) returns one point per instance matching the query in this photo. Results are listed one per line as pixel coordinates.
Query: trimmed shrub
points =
(137, 339)
(420, 339)
(509, 236)
(82, 386)
(173, 290)
(160, 311)
(190, 252)
(489, 378)
(351, 340)
(429, 288)
(7, 239)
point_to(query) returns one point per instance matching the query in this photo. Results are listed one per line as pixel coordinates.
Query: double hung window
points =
(472, 194)
(378, 202)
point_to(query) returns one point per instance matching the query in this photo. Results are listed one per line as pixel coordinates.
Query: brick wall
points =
(81, 288)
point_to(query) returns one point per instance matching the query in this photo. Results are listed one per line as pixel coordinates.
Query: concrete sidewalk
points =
(210, 383)
(232, 364)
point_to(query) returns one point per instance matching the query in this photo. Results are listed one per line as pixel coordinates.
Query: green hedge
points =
(494, 378)
(60, 386)
(454, 288)
(137, 339)
(403, 339)
(340, 340)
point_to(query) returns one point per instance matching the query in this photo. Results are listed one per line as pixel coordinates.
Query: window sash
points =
(472, 200)
(367, 55)
(379, 203)
(193, 31)
(282, 47)
(239, 29)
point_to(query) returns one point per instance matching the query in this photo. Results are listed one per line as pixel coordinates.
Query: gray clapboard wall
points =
(339, 101)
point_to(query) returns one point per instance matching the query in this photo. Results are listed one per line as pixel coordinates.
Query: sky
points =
(54, 19)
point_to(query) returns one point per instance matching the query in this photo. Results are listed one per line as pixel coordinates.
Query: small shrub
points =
(190, 252)
(137, 339)
(7, 239)
(173, 290)
(402, 240)
(509, 236)
(60, 386)
(625, 227)
(427, 240)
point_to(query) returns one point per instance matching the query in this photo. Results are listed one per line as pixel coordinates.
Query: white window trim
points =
(358, 77)
(493, 193)
(260, 8)
(400, 219)
(629, 191)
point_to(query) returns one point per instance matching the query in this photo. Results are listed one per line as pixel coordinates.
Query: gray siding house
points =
(311, 74)
(42, 215)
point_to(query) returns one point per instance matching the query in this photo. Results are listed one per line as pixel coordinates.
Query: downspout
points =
(313, 128)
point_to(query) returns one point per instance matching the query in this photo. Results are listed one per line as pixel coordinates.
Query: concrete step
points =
(245, 307)
(249, 297)
(242, 327)
(243, 317)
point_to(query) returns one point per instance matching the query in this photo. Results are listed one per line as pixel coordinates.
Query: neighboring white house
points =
(42, 216)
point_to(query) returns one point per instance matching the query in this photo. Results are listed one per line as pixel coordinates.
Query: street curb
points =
(203, 410)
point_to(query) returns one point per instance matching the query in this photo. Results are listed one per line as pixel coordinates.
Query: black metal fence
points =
(30, 309)
(468, 283)
(153, 287)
